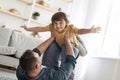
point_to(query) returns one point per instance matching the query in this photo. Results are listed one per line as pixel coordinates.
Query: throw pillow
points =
(5, 50)
(23, 42)
(5, 34)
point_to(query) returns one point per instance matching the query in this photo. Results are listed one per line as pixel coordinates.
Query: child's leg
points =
(63, 53)
(51, 55)
(76, 52)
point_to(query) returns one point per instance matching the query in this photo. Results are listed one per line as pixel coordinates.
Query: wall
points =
(101, 68)
(81, 67)
(10, 21)
(25, 10)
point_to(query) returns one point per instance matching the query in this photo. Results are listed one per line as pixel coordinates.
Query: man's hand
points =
(94, 29)
(43, 46)
(68, 36)
(53, 32)
(69, 49)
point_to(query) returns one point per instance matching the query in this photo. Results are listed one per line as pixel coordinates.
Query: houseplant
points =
(36, 15)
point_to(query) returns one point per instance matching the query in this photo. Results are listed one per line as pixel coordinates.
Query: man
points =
(30, 64)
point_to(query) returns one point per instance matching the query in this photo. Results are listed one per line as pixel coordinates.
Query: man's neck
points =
(33, 74)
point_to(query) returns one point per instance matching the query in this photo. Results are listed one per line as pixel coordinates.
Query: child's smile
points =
(59, 25)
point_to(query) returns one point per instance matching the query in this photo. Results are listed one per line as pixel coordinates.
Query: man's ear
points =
(37, 66)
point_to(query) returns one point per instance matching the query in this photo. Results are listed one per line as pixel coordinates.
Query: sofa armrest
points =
(9, 61)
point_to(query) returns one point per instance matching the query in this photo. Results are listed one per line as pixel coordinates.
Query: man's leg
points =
(51, 55)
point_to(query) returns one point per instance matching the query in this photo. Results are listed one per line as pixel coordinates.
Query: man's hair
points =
(28, 61)
(59, 16)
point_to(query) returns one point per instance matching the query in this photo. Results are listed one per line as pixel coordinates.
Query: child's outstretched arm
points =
(34, 29)
(93, 29)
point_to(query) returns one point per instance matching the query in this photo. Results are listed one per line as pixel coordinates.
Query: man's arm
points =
(67, 67)
(69, 50)
(43, 46)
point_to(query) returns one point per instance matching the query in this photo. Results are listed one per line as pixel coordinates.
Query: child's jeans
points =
(51, 55)
(54, 53)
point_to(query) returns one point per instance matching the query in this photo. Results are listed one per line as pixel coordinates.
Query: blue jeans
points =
(54, 52)
(63, 53)
(51, 55)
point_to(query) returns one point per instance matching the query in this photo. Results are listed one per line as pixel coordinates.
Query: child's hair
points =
(59, 16)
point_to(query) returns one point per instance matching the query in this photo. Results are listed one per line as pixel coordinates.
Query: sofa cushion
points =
(22, 42)
(5, 50)
(18, 53)
(5, 34)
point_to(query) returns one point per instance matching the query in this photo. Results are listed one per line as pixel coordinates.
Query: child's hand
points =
(24, 26)
(94, 29)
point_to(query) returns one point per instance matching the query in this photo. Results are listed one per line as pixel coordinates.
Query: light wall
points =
(100, 68)
(25, 10)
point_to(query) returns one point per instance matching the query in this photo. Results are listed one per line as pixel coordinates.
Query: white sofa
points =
(12, 45)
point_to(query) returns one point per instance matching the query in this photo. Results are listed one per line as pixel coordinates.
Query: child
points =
(60, 25)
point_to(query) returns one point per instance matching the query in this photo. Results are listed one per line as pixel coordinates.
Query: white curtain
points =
(111, 45)
(104, 13)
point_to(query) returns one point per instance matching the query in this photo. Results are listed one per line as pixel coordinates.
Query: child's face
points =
(59, 25)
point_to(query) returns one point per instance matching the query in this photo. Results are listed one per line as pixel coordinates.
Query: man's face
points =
(59, 25)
